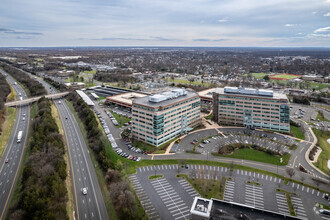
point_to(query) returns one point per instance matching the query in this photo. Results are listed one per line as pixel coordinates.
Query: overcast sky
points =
(165, 23)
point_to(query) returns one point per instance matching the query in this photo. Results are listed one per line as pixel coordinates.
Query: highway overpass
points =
(34, 99)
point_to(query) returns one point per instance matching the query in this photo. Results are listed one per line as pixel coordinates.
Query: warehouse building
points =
(159, 118)
(252, 108)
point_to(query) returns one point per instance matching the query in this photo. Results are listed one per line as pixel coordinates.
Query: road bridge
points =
(34, 99)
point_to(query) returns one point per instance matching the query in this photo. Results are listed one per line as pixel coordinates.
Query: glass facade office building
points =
(252, 108)
(159, 118)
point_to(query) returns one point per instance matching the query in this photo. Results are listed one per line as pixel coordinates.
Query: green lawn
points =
(7, 128)
(259, 75)
(90, 72)
(320, 117)
(318, 86)
(298, 133)
(120, 119)
(251, 154)
(155, 177)
(207, 188)
(286, 76)
(322, 137)
(209, 117)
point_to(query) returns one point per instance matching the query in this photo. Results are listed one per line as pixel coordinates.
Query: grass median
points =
(68, 181)
(259, 156)
(8, 124)
(322, 137)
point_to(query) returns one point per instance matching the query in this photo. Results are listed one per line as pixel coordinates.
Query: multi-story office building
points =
(158, 118)
(255, 108)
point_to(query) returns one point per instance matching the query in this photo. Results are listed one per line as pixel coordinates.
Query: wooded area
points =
(5, 90)
(35, 88)
(43, 193)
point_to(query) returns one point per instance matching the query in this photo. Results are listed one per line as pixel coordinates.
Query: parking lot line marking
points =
(185, 207)
(302, 188)
(318, 193)
(313, 192)
(144, 169)
(237, 171)
(307, 189)
(182, 216)
(271, 178)
(182, 204)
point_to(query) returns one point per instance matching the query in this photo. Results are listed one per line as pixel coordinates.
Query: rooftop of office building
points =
(165, 98)
(250, 92)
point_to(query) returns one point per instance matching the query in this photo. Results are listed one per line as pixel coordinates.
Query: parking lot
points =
(272, 141)
(305, 113)
(171, 196)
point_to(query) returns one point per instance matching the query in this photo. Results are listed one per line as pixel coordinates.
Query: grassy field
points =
(320, 117)
(322, 137)
(285, 76)
(207, 188)
(155, 177)
(318, 86)
(7, 127)
(251, 154)
(298, 133)
(120, 119)
(185, 81)
(209, 117)
(68, 181)
(8, 123)
(90, 72)
(259, 75)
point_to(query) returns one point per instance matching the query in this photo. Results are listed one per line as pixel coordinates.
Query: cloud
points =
(10, 31)
(151, 38)
(314, 12)
(223, 20)
(327, 14)
(208, 40)
(322, 30)
(289, 25)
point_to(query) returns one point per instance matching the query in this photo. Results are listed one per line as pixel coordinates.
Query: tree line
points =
(35, 88)
(93, 132)
(43, 193)
(5, 90)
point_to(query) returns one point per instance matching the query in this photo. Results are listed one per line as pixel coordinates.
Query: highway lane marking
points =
(19, 164)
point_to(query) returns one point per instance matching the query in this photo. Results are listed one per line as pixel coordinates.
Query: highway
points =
(91, 205)
(12, 157)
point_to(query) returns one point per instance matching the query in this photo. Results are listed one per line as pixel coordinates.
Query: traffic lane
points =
(85, 208)
(91, 178)
(73, 130)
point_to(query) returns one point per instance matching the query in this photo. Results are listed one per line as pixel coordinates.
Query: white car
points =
(84, 191)
(23, 118)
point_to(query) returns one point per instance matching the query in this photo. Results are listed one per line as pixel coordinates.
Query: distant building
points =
(159, 118)
(213, 209)
(255, 108)
(125, 99)
(76, 85)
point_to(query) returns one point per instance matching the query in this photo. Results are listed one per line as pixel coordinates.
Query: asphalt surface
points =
(161, 197)
(14, 151)
(91, 205)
